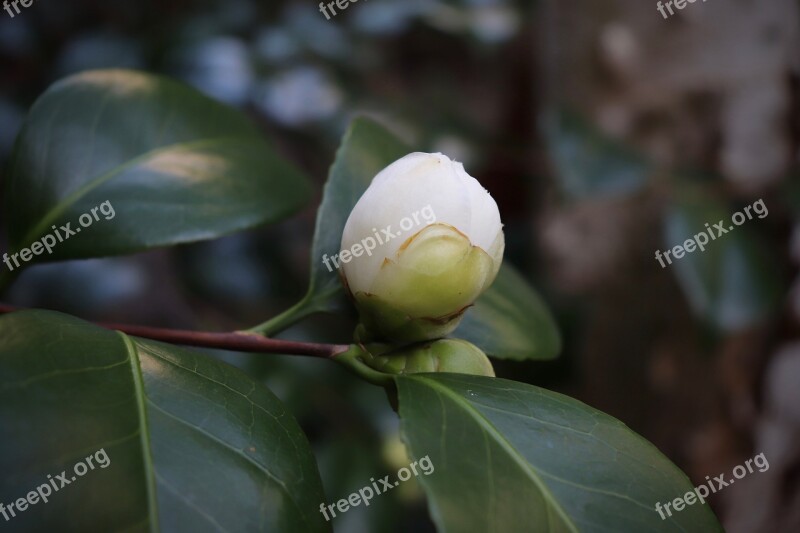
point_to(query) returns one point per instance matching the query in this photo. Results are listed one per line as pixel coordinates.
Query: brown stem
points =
(236, 341)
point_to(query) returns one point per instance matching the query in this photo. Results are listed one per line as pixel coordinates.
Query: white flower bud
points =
(426, 241)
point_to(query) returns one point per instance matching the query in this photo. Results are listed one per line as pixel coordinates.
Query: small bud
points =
(443, 355)
(430, 242)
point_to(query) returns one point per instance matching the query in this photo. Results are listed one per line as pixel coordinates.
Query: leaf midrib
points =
(144, 433)
(487, 426)
(59, 208)
(259, 466)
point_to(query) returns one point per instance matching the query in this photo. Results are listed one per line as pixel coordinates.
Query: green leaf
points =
(511, 321)
(367, 148)
(192, 443)
(512, 457)
(733, 283)
(174, 165)
(589, 164)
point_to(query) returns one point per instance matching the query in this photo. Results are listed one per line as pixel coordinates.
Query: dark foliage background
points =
(599, 128)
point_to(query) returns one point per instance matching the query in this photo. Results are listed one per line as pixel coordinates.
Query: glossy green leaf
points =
(513, 457)
(367, 148)
(732, 283)
(174, 165)
(589, 164)
(192, 443)
(511, 321)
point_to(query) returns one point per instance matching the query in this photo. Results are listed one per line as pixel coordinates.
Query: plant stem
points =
(285, 319)
(315, 301)
(353, 359)
(239, 341)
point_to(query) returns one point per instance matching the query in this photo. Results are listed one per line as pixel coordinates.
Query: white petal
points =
(485, 224)
(404, 193)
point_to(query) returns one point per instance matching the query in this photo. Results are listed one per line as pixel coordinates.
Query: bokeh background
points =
(603, 131)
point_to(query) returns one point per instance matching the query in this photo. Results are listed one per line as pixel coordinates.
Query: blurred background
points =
(604, 131)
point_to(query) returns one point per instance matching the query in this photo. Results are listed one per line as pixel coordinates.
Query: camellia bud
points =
(424, 241)
(442, 355)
